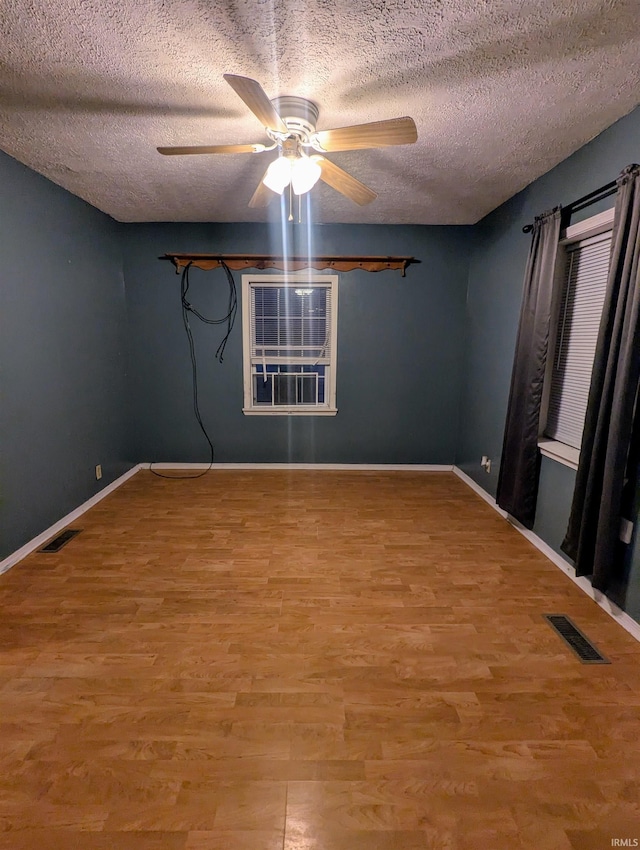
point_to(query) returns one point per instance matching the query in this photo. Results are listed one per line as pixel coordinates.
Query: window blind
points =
(286, 325)
(583, 293)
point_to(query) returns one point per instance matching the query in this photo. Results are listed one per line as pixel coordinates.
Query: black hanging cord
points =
(582, 203)
(229, 319)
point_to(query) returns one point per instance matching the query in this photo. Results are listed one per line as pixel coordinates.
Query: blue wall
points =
(399, 349)
(493, 305)
(62, 325)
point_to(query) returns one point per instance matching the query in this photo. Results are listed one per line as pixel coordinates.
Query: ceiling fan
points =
(290, 124)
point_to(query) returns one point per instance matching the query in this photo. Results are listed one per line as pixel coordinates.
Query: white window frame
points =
(303, 280)
(594, 226)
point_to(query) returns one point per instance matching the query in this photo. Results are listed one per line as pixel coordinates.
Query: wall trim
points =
(28, 548)
(362, 467)
(621, 617)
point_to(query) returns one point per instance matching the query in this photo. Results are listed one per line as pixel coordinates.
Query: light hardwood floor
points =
(307, 660)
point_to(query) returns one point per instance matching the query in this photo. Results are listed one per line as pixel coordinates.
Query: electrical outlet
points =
(484, 460)
(626, 530)
(485, 463)
(98, 472)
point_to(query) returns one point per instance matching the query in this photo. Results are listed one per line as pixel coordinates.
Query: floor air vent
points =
(571, 634)
(61, 540)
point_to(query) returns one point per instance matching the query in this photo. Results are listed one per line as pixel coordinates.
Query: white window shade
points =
(583, 292)
(288, 323)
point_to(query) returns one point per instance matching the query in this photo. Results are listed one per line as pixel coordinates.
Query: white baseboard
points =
(360, 467)
(621, 617)
(54, 529)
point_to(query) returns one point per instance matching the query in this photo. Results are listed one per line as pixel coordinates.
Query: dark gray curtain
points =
(605, 457)
(520, 465)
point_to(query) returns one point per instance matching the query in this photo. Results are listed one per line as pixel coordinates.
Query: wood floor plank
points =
(308, 660)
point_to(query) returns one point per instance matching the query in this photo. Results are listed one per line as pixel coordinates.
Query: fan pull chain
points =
(290, 203)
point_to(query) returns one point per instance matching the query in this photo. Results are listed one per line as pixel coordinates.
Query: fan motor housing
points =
(299, 114)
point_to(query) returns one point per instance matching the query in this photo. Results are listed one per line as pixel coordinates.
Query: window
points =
(289, 327)
(581, 279)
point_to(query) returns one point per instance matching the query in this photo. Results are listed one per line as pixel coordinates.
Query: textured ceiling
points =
(500, 92)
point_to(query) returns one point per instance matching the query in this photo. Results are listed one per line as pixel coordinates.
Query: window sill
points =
(560, 452)
(290, 411)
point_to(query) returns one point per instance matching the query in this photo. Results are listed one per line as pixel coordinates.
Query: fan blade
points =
(212, 149)
(256, 99)
(378, 134)
(263, 195)
(344, 183)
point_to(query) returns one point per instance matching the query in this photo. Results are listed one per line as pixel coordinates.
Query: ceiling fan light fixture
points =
(278, 175)
(290, 123)
(305, 173)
